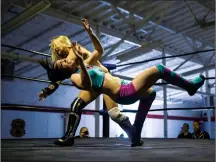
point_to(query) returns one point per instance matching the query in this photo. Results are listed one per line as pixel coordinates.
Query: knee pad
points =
(77, 105)
(116, 115)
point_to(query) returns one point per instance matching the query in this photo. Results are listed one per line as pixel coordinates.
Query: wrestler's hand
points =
(42, 96)
(86, 25)
(77, 52)
(77, 47)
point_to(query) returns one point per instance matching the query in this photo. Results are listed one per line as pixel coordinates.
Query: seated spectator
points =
(185, 132)
(84, 133)
(198, 134)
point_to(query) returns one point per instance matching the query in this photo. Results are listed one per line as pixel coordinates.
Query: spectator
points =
(185, 132)
(198, 134)
(84, 133)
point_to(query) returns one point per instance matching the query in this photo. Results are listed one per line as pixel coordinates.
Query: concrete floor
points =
(110, 149)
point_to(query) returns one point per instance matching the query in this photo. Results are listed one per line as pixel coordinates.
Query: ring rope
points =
(101, 112)
(31, 79)
(30, 51)
(15, 57)
(46, 81)
(154, 59)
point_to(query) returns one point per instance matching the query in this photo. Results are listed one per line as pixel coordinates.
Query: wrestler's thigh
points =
(88, 96)
(146, 79)
(142, 93)
(109, 102)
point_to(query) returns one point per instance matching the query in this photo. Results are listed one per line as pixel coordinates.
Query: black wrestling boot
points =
(137, 143)
(68, 138)
(130, 130)
(64, 141)
(127, 127)
(136, 138)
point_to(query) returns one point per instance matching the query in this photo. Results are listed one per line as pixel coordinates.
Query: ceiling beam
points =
(69, 18)
(124, 56)
(114, 46)
(63, 16)
(168, 49)
(210, 66)
(166, 26)
(185, 61)
(207, 4)
(5, 5)
(191, 12)
(24, 16)
(91, 11)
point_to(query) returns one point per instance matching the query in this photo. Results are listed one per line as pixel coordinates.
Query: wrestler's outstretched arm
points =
(98, 49)
(48, 90)
(96, 43)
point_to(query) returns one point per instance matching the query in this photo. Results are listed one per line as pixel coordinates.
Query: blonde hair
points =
(65, 41)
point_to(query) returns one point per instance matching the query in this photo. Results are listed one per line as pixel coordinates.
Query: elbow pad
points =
(52, 88)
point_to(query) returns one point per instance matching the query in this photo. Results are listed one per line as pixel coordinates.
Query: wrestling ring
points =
(102, 149)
